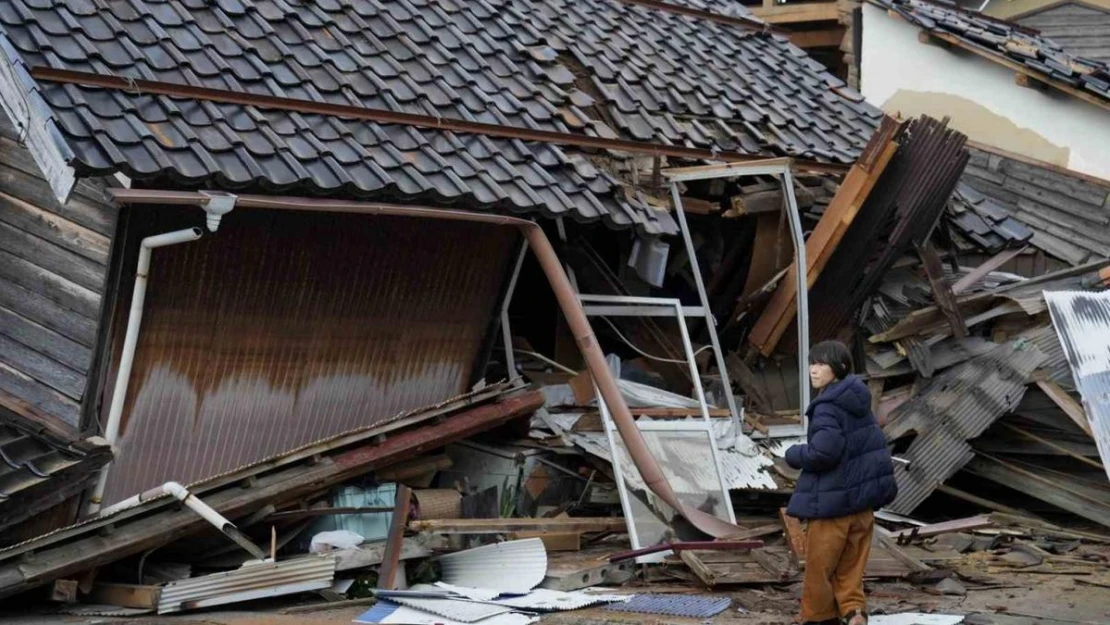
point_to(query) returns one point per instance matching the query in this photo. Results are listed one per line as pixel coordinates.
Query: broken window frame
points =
(782, 169)
(631, 306)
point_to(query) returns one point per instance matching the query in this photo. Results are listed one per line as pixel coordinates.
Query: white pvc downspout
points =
(196, 505)
(216, 207)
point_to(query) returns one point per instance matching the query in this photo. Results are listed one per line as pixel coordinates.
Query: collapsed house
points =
(258, 252)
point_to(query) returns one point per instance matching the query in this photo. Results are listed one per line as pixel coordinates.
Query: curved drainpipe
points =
(215, 206)
(560, 284)
(183, 495)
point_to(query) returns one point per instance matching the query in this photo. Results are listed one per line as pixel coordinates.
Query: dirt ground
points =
(1046, 600)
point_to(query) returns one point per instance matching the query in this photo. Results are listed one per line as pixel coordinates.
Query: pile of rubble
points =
(525, 499)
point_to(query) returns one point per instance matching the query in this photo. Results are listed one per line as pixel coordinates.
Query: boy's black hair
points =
(834, 354)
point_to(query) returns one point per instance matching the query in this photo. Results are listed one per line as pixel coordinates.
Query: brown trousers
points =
(836, 556)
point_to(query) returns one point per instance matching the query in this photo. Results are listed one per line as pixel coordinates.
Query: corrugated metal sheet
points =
(1056, 361)
(1082, 320)
(454, 609)
(673, 605)
(285, 327)
(390, 612)
(515, 566)
(954, 408)
(901, 210)
(253, 580)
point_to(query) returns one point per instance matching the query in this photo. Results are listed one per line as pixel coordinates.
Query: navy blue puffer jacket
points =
(845, 465)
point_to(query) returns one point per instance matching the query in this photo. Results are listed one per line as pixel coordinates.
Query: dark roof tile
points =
(470, 60)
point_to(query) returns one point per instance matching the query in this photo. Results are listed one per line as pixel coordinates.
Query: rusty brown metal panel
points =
(286, 327)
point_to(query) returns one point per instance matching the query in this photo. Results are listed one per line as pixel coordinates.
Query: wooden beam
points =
(822, 38)
(371, 555)
(1067, 403)
(391, 558)
(826, 236)
(1052, 445)
(498, 526)
(793, 13)
(1072, 496)
(126, 595)
(942, 292)
(979, 501)
(698, 206)
(958, 525)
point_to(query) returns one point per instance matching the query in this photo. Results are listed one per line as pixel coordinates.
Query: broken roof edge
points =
(1028, 160)
(33, 119)
(904, 10)
(350, 437)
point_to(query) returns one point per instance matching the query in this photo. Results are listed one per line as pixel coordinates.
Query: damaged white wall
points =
(900, 74)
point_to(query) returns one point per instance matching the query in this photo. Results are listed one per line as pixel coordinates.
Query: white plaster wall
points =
(894, 61)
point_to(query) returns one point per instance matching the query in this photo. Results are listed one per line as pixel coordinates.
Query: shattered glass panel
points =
(686, 458)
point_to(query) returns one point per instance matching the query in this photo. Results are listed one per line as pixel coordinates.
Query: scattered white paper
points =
(915, 618)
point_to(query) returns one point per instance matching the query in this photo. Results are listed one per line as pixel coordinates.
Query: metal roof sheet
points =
(455, 609)
(515, 566)
(1082, 320)
(254, 580)
(557, 600)
(674, 605)
(954, 408)
(390, 612)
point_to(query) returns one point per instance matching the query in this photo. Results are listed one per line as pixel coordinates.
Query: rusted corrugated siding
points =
(283, 328)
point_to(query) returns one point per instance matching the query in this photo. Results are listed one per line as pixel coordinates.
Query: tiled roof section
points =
(1009, 43)
(1003, 201)
(598, 67)
(1080, 28)
(984, 221)
(731, 8)
(33, 465)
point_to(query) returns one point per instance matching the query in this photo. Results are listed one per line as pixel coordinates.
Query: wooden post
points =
(387, 574)
(942, 292)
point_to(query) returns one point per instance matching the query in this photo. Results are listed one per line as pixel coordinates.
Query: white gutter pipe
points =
(196, 505)
(215, 205)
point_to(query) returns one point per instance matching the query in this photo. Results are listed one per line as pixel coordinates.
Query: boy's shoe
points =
(855, 617)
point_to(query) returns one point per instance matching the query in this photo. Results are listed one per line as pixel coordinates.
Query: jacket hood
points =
(849, 394)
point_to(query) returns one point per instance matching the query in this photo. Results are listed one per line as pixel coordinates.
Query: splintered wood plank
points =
(942, 292)
(826, 236)
(1066, 403)
(391, 558)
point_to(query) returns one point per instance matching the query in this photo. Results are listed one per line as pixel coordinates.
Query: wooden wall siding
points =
(1070, 214)
(1079, 29)
(53, 264)
(285, 327)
